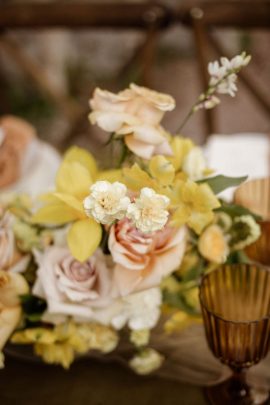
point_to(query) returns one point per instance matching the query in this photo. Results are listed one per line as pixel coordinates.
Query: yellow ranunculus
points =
(213, 244)
(194, 205)
(76, 174)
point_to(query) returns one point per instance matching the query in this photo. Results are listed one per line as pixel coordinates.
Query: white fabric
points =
(238, 155)
(38, 170)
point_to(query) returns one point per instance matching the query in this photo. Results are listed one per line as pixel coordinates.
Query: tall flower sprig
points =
(223, 78)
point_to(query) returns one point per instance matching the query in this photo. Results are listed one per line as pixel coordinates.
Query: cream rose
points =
(11, 286)
(142, 260)
(72, 288)
(135, 114)
(10, 257)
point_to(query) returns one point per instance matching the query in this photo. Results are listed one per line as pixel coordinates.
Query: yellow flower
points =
(56, 353)
(195, 204)
(61, 344)
(76, 174)
(213, 245)
(179, 321)
(162, 170)
(181, 147)
(146, 361)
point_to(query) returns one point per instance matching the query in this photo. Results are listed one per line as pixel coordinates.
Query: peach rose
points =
(142, 260)
(15, 136)
(135, 114)
(72, 288)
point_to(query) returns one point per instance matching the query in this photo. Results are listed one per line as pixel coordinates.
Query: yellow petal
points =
(56, 213)
(82, 156)
(71, 201)
(180, 147)
(162, 170)
(199, 220)
(73, 178)
(180, 216)
(83, 238)
(136, 178)
(111, 175)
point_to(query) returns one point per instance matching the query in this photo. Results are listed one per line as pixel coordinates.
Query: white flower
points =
(146, 361)
(107, 202)
(223, 75)
(194, 164)
(148, 213)
(237, 62)
(140, 310)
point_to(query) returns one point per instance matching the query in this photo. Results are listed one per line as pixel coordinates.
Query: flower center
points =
(107, 202)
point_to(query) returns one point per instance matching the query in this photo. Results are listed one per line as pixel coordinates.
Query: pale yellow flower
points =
(147, 361)
(140, 337)
(213, 244)
(195, 204)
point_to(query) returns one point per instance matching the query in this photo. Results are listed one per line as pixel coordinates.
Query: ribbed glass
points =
(259, 251)
(255, 195)
(235, 303)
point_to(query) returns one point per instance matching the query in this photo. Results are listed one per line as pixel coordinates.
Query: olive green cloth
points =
(89, 382)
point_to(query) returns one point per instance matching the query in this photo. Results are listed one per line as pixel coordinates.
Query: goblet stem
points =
(238, 387)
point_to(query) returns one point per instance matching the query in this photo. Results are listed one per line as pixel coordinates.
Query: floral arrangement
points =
(107, 251)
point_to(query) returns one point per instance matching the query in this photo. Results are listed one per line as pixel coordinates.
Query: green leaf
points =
(235, 210)
(178, 300)
(33, 307)
(195, 272)
(220, 182)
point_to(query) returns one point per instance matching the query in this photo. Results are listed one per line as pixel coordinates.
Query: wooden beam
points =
(83, 15)
(236, 13)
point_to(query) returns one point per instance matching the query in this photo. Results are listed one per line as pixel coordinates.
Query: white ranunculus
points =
(107, 202)
(140, 310)
(194, 164)
(148, 213)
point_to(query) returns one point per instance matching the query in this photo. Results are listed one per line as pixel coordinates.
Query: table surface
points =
(89, 382)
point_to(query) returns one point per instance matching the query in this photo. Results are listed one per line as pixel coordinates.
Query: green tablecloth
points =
(89, 382)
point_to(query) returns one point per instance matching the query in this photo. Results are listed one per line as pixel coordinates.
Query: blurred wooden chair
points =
(203, 17)
(149, 17)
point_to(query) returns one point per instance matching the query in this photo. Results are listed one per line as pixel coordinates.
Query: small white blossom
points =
(207, 103)
(146, 361)
(223, 75)
(148, 213)
(194, 164)
(107, 202)
(140, 310)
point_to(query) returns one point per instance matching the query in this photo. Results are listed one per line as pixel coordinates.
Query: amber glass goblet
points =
(235, 303)
(255, 195)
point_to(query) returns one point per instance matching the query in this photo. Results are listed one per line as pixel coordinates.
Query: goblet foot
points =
(233, 392)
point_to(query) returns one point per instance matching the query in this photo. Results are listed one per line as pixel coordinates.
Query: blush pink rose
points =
(143, 260)
(72, 288)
